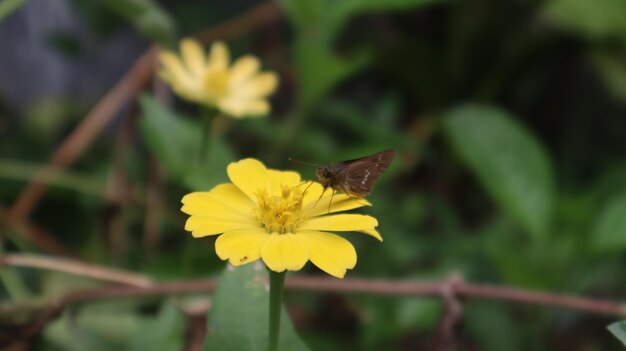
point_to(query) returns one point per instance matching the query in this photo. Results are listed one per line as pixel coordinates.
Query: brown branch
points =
(76, 267)
(364, 286)
(260, 15)
(35, 234)
(452, 315)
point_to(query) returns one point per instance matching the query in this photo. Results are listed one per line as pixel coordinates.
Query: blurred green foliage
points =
(508, 119)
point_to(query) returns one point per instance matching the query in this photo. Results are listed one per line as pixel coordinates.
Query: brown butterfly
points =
(355, 177)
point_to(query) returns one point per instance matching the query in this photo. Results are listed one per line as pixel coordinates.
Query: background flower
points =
(266, 214)
(238, 90)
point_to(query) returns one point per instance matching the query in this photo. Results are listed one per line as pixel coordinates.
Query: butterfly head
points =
(324, 175)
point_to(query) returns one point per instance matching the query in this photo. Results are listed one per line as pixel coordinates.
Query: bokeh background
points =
(508, 118)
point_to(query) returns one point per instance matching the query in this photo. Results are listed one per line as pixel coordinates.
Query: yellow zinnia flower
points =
(264, 214)
(239, 90)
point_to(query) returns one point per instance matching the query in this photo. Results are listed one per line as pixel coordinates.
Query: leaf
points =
(619, 330)
(149, 18)
(170, 137)
(612, 69)
(177, 142)
(609, 231)
(507, 160)
(164, 333)
(239, 316)
(600, 19)
(329, 16)
(319, 69)
(7, 7)
(318, 23)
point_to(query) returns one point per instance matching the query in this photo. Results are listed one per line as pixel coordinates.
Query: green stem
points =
(277, 283)
(208, 116)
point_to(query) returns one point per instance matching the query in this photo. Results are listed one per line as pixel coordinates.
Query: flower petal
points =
(341, 222)
(258, 86)
(337, 202)
(227, 196)
(243, 68)
(218, 57)
(371, 232)
(193, 56)
(284, 252)
(249, 175)
(237, 106)
(329, 252)
(177, 73)
(240, 246)
(278, 179)
(218, 222)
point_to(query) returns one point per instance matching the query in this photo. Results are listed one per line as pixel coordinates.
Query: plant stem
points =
(277, 284)
(208, 116)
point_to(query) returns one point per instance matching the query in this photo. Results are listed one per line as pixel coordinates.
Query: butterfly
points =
(355, 177)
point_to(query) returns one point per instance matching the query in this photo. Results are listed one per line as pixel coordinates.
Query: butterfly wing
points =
(359, 175)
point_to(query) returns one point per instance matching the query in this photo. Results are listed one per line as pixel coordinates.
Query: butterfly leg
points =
(307, 187)
(322, 194)
(331, 199)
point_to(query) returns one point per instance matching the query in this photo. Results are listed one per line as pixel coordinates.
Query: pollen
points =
(280, 214)
(216, 83)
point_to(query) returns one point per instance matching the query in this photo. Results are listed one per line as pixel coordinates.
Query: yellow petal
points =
(243, 68)
(203, 225)
(278, 179)
(258, 86)
(239, 106)
(218, 57)
(240, 246)
(176, 71)
(284, 252)
(193, 56)
(371, 232)
(249, 175)
(329, 252)
(340, 202)
(227, 196)
(341, 222)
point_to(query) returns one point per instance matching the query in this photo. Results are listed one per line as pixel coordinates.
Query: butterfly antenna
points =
(301, 162)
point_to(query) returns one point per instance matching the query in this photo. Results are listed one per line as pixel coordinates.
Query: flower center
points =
(280, 214)
(216, 83)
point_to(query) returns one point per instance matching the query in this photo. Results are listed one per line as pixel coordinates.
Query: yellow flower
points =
(239, 90)
(264, 214)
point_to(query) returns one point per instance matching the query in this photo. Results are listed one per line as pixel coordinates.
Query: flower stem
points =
(277, 283)
(208, 116)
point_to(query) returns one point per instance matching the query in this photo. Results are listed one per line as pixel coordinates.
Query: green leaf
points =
(619, 330)
(148, 17)
(600, 19)
(238, 319)
(318, 23)
(609, 231)
(7, 7)
(176, 142)
(612, 69)
(507, 160)
(165, 332)
(329, 16)
(319, 69)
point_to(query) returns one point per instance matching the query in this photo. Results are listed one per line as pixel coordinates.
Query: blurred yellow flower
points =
(264, 214)
(239, 90)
